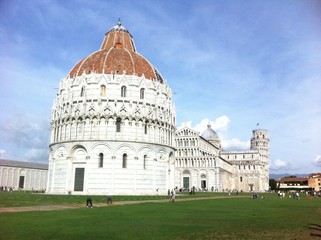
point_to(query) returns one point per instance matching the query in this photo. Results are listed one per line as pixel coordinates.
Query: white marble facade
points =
(123, 143)
(112, 133)
(16, 175)
(200, 163)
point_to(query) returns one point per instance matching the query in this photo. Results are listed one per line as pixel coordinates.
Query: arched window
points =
(124, 160)
(118, 123)
(142, 93)
(82, 92)
(101, 160)
(146, 127)
(102, 90)
(145, 161)
(123, 91)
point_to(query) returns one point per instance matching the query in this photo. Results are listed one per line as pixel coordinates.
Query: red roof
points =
(117, 55)
(283, 180)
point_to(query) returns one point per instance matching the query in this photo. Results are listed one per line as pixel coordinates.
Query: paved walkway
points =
(63, 207)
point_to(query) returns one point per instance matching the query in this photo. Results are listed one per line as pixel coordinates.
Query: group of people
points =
(5, 188)
(89, 201)
(293, 195)
(296, 195)
(314, 193)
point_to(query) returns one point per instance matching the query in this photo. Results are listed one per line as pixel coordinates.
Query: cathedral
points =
(113, 131)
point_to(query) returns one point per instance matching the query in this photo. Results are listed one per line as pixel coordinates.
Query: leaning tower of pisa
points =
(261, 142)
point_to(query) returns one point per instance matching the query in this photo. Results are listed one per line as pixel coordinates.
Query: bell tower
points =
(261, 142)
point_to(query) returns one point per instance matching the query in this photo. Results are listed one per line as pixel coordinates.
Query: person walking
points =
(89, 202)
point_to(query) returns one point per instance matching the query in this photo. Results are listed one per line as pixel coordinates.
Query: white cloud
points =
(235, 144)
(317, 161)
(2, 152)
(279, 165)
(25, 137)
(220, 126)
(27, 133)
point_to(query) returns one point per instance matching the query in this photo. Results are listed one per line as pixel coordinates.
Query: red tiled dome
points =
(117, 55)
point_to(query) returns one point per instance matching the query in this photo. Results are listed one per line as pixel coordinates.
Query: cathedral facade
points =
(201, 163)
(113, 132)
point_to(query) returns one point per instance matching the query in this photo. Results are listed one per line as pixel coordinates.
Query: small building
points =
(23, 175)
(293, 183)
(315, 181)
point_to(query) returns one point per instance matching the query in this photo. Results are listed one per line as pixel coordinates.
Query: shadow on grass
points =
(316, 230)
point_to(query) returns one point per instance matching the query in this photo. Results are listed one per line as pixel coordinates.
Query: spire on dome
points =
(118, 27)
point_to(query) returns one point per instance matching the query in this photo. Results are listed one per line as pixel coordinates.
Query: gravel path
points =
(64, 207)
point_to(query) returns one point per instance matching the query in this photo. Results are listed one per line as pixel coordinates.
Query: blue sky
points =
(231, 63)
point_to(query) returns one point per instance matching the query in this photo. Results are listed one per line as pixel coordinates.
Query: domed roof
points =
(117, 55)
(209, 133)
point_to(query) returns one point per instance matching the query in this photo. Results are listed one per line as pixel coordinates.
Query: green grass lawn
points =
(228, 218)
(18, 199)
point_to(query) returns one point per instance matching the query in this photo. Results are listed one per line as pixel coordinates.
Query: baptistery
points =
(112, 124)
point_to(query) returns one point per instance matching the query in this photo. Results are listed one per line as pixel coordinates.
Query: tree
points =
(273, 184)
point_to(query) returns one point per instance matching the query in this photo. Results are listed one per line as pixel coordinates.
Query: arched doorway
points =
(203, 181)
(186, 179)
(79, 154)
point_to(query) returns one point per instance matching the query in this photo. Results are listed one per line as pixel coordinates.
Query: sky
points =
(238, 65)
